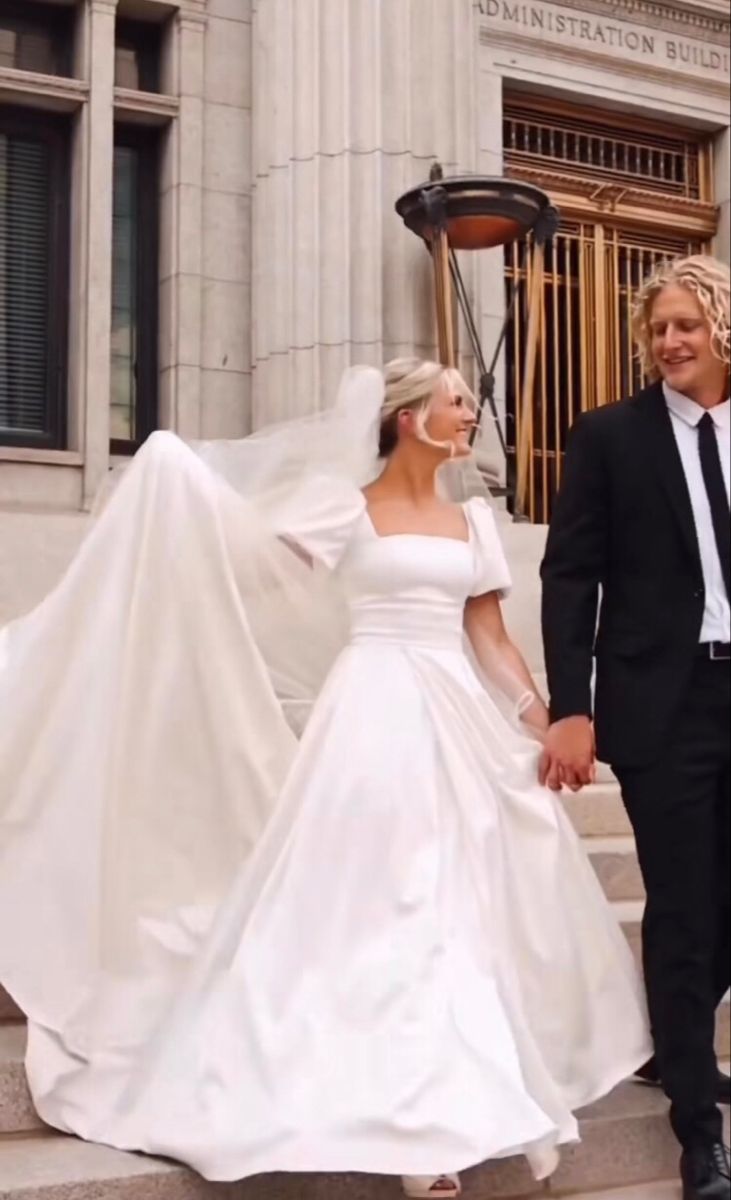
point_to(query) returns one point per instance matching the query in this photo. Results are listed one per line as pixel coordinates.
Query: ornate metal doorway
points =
(626, 205)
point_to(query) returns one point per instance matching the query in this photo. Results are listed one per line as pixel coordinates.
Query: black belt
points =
(715, 651)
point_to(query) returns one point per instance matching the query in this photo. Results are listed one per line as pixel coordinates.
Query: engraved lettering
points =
(540, 16)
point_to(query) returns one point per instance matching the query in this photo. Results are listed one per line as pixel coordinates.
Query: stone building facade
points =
(197, 226)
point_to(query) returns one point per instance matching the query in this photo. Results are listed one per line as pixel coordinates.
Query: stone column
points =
(353, 102)
(181, 213)
(92, 276)
(226, 268)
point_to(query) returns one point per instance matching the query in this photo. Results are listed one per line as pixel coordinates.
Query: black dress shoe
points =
(650, 1077)
(705, 1172)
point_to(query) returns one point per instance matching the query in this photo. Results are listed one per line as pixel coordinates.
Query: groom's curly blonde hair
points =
(710, 282)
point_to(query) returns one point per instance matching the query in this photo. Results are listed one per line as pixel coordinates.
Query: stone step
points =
(605, 774)
(9, 1010)
(17, 1114)
(598, 811)
(56, 1168)
(626, 1140)
(615, 861)
(629, 913)
(662, 1190)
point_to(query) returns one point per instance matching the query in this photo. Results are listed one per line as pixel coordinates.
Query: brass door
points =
(627, 203)
(586, 354)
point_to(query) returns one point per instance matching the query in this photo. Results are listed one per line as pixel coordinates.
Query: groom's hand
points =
(568, 754)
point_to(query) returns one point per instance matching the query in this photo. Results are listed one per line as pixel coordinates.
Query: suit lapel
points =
(663, 455)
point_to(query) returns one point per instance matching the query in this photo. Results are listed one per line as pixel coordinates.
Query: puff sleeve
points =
(492, 573)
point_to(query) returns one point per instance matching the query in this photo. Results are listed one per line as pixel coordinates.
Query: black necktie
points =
(717, 494)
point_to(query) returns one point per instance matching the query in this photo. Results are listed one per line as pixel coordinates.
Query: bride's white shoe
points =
(431, 1187)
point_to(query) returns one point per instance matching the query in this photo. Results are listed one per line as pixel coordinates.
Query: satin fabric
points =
(379, 949)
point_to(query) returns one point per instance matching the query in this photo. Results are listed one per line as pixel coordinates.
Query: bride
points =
(372, 945)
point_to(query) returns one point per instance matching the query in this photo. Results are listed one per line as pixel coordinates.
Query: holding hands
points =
(569, 754)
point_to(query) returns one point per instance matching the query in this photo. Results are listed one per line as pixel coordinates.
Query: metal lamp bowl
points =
(479, 211)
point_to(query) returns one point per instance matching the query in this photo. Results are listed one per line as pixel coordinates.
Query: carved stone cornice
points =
(51, 92)
(662, 14)
(193, 20)
(672, 16)
(571, 54)
(624, 202)
(144, 108)
(193, 10)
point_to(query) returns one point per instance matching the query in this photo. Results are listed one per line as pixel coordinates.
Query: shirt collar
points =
(687, 410)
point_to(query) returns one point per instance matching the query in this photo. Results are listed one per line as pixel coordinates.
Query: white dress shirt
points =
(685, 415)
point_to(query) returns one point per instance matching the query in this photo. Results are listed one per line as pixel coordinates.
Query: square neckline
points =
(432, 537)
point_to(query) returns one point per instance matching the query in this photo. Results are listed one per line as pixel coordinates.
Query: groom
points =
(640, 538)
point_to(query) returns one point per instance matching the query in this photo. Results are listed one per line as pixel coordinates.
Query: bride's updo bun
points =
(411, 384)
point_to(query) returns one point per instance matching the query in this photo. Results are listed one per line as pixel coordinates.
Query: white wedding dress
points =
(398, 961)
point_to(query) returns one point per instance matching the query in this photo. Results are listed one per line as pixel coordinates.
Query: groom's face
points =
(681, 343)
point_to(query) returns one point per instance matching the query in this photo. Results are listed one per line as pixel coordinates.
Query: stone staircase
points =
(625, 1138)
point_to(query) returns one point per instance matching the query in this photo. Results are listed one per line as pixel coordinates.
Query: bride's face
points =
(450, 419)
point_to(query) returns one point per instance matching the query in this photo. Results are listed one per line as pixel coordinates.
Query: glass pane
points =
(29, 45)
(124, 293)
(127, 68)
(24, 281)
(137, 56)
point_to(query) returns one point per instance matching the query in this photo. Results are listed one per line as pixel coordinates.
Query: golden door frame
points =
(613, 233)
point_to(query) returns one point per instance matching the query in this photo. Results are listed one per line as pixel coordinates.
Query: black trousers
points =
(679, 809)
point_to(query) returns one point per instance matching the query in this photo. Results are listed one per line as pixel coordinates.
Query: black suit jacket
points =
(623, 542)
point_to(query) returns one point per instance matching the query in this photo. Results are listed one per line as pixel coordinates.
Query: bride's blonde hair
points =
(411, 384)
(710, 282)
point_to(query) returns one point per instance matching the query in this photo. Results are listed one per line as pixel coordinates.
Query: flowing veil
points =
(150, 705)
(292, 476)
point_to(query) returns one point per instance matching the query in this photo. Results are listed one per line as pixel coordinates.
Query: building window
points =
(35, 37)
(135, 284)
(137, 56)
(34, 227)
